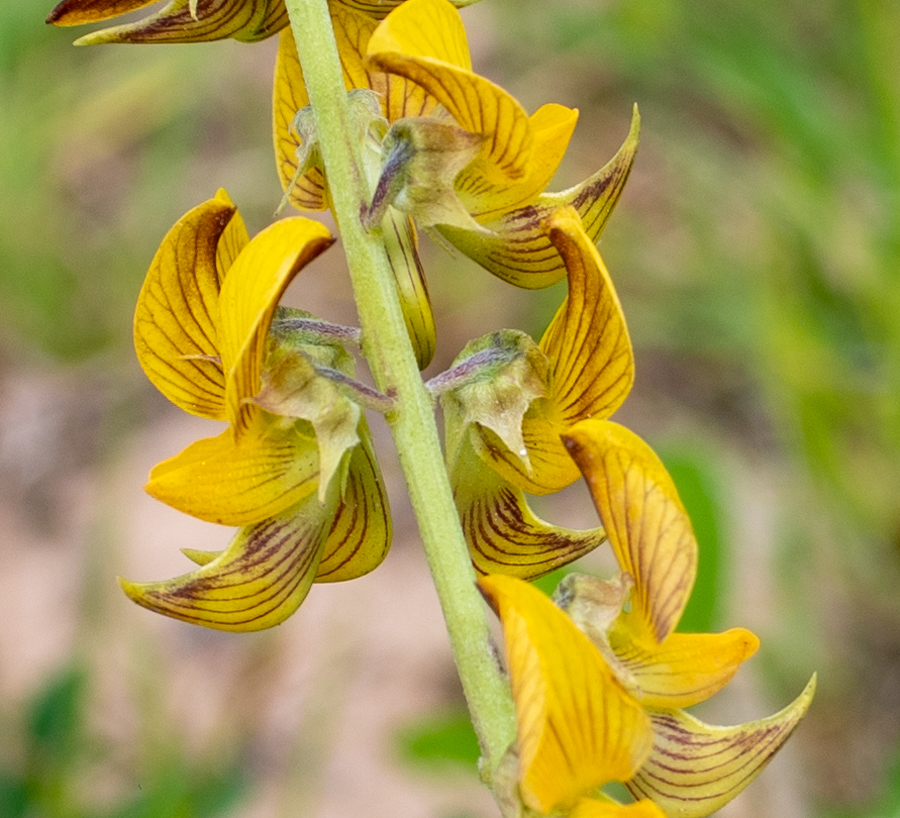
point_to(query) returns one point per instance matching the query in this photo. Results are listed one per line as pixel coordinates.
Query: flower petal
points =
(76, 12)
(176, 319)
(289, 95)
(257, 582)
(176, 23)
(577, 727)
(399, 97)
(274, 20)
(248, 300)
(592, 808)
(425, 42)
(361, 533)
(239, 482)
(402, 245)
(552, 127)
(502, 533)
(648, 527)
(587, 342)
(595, 198)
(518, 248)
(686, 668)
(694, 768)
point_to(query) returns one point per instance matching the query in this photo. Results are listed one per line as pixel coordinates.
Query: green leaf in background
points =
(175, 790)
(55, 718)
(439, 740)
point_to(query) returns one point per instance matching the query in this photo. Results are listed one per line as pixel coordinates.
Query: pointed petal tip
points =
(199, 557)
(696, 768)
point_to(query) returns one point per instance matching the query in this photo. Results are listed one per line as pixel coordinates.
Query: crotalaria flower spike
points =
(295, 467)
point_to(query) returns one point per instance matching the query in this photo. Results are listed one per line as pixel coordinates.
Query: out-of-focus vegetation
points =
(756, 251)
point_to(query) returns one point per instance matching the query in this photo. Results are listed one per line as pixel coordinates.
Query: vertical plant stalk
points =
(387, 347)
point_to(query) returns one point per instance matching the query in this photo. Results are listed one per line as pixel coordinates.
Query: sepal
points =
(421, 158)
(294, 387)
(492, 383)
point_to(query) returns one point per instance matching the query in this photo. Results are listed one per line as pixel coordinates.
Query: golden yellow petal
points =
(552, 127)
(175, 23)
(257, 582)
(695, 769)
(425, 42)
(249, 296)
(239, 483)
(361, 533)
(520, 250)
(401, 243)
(587, 342)
(176, 319)
(233, 239)
(377, 9)
(577, 727)
(592, 808)
(76, 12)
(647, 525)
(517, 249)
(399, 97)
(596, 197)
(686, 668)
(502, 533)
(289, 96)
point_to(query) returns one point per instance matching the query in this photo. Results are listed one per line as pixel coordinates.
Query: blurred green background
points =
(757, 255)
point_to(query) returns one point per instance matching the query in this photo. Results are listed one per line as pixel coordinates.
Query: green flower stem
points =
(387, 348)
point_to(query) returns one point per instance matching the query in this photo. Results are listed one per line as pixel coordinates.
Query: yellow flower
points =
(498, 452)
(295, 466)
(579, 728)
(479, 181)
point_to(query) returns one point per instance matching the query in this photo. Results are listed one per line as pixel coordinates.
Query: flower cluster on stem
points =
(379, 116)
